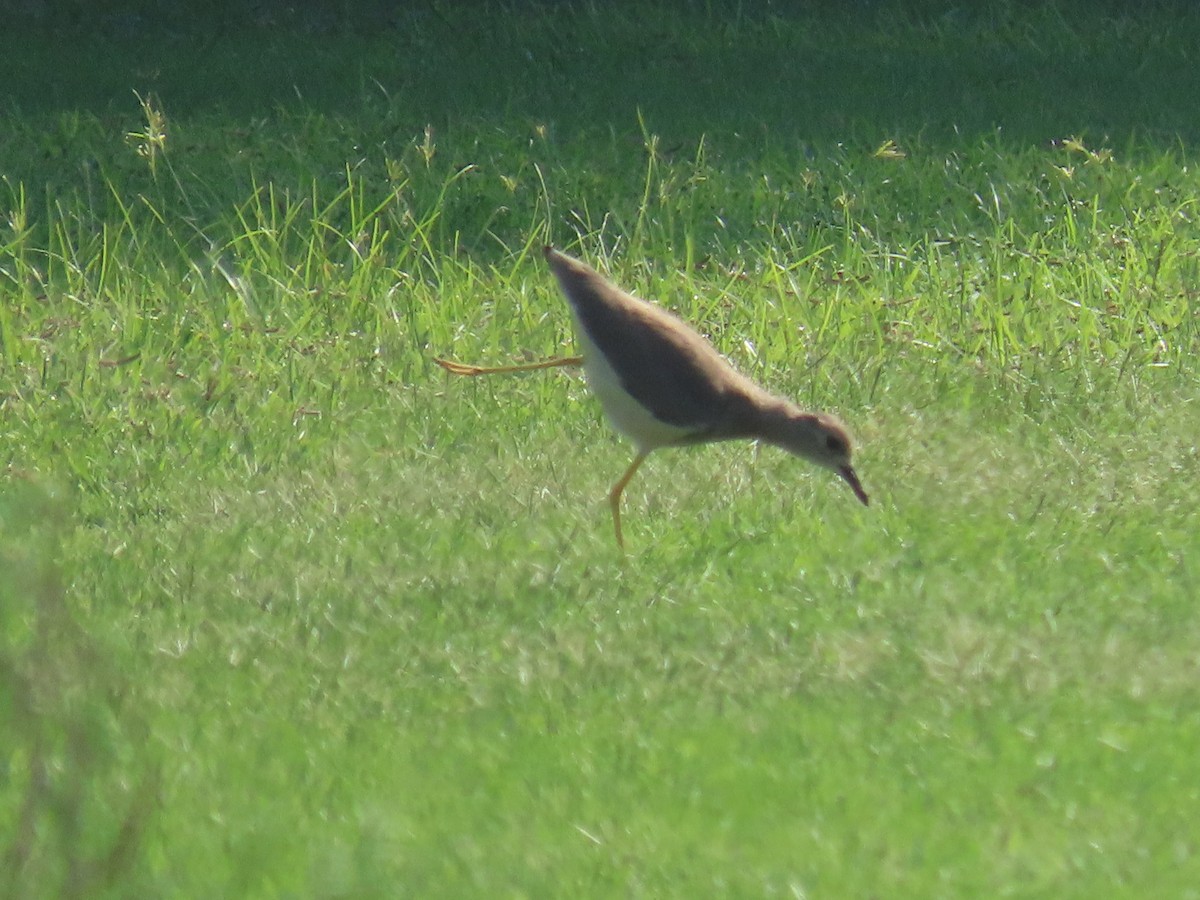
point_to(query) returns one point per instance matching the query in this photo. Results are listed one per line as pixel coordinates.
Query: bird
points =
(662, 384)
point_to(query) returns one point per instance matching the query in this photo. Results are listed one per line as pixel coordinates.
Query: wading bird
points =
(663, 385)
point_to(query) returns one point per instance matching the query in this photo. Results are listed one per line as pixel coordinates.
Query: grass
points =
(286, 611)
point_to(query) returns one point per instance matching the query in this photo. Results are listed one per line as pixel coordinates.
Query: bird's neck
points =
(761, 416)
(774, 420)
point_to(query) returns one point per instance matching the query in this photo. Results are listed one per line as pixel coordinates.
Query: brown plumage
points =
(662, 384)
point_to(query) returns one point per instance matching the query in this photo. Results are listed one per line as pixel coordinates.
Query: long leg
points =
(614, 496)
(457, 368)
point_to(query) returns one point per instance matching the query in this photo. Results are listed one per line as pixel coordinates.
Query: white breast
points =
(626, 415)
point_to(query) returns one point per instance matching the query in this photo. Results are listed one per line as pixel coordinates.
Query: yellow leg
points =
(457, 368)
(614, 496)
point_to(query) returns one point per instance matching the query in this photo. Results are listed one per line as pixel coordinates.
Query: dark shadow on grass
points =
(814, 71)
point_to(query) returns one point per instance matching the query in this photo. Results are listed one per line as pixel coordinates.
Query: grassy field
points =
(285, 611)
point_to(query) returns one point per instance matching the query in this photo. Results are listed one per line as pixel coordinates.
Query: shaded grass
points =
(833, 70)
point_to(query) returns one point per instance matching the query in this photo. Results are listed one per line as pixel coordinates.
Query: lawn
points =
(287, 611)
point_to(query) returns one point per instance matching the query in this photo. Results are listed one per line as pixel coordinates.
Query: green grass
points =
(286, 611)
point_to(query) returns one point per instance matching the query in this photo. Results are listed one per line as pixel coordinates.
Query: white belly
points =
(626, 415)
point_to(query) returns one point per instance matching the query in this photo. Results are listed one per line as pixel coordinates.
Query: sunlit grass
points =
(288, 611)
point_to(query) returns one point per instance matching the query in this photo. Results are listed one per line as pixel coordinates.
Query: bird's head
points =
(822, 439)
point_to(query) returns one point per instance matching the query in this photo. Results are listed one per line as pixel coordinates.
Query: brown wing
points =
(662, 363)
